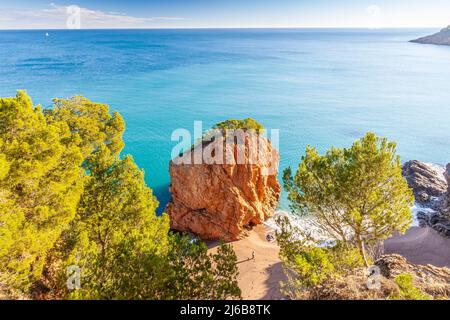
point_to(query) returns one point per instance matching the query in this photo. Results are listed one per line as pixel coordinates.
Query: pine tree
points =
(68, 199)
(116, 237)
(40, 185)
(124, 251)
(90, 124)
(356, 195)
(195, 274)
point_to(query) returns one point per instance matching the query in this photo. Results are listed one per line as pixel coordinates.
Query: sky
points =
(92, 14)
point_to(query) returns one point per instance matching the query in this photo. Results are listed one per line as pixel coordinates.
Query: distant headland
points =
(440, 38)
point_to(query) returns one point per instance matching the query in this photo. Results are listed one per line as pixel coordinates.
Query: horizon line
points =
(216, 28)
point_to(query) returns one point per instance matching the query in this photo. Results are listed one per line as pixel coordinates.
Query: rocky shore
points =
(431, 186)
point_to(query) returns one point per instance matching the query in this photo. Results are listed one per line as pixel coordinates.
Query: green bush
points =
(345, 259)
(245, 124)
(407, 289)
(313, 266)
(308, 265)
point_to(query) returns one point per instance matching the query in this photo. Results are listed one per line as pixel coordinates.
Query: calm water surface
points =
(318, 87)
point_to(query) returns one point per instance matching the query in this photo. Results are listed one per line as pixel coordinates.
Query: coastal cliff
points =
(222, 201)
(440, 38)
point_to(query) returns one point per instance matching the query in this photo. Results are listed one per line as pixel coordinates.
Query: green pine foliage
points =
(40, 185)
(245, 124)
(407, 290)
(115, 226)
(67, 198)
(90, 123)
(309, 265)
(195, 273)
(356, 195)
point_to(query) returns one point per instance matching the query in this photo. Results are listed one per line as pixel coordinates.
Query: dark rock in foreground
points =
(440, 38)
(435, 220)
(425, 181)
(432, 191)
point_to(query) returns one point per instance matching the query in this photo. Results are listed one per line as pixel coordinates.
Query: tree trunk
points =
(362, 249)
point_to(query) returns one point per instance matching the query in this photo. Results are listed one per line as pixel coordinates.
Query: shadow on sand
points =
(276, 275)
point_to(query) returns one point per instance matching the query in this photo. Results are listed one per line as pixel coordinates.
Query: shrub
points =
(407, 289)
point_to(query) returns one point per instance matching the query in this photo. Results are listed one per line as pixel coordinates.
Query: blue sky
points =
(20, 14)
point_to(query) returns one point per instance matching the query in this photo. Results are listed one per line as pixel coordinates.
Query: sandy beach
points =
(421, 246)
(259, 277)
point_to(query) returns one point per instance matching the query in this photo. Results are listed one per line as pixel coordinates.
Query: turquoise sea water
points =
(319, 87)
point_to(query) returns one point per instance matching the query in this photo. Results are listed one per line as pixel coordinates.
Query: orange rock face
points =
(220, 189)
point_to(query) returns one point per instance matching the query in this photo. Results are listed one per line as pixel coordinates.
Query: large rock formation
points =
(230, 191)
(431, 188)
(425, 180)
(440, 38)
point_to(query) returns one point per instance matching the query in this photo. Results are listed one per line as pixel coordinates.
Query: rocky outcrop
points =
(431, 188)
(436, 220)
(446, 203)
(231, 190)
(430, 279)
(440, 38)
(425, 181)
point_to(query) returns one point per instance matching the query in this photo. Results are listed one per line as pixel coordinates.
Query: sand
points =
(259, 277)
(421, 246)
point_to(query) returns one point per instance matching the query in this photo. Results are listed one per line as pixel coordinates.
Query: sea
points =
(318, 87)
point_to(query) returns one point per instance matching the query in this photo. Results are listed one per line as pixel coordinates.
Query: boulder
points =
(228, 192)
(436, 220)
(426, 182)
